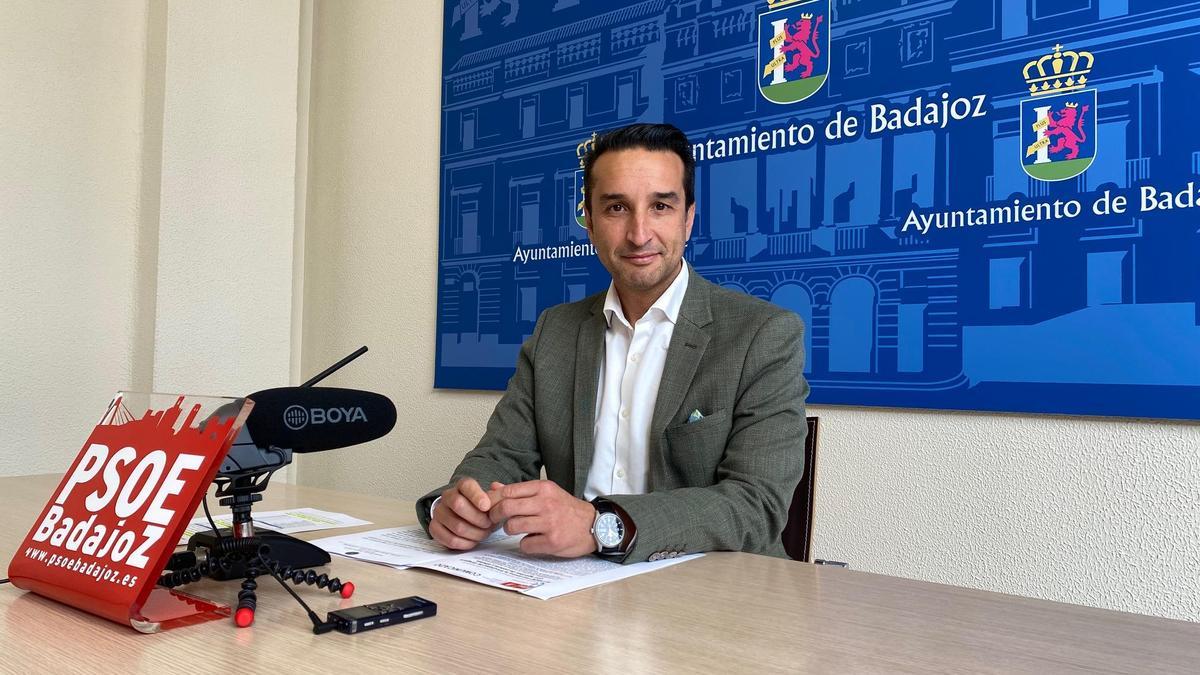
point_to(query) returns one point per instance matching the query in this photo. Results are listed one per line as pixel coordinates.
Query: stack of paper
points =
(496, 562)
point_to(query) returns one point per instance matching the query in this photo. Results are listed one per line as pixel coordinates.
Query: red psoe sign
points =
(104, 537)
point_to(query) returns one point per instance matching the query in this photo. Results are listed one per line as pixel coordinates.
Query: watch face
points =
(609, 530)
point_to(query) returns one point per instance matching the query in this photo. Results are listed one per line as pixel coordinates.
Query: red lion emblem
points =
(1067, 124)
(803, 42)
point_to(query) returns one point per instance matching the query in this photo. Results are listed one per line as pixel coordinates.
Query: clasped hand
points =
(553, 520)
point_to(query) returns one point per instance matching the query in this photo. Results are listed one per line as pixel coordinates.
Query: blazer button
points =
(654, 557)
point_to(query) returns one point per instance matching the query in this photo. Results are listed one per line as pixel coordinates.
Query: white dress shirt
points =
(634, 356)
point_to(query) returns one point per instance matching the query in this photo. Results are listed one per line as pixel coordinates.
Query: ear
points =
(691, 216)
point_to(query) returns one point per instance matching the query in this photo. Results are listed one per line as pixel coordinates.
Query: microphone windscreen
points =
(312, 419)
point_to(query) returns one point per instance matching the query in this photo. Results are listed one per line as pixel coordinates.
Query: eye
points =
(615, 207)
(661, 206)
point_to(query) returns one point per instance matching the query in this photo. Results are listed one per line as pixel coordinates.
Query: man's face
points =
(638, 220)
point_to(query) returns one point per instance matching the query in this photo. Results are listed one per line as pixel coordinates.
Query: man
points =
(668, 412)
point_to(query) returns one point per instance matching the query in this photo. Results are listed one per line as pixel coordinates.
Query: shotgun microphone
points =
(313, 419)
(302, 419)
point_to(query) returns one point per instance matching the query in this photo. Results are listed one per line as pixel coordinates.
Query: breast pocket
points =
(694, 449)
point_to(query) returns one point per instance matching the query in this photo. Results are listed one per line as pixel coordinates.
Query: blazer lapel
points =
(688, 342)
(589, 349)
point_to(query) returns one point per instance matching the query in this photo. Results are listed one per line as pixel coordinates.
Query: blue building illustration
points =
(1090, 313)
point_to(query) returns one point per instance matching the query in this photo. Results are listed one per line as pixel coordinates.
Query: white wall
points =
(70, 179)
(228, 215)
(371, 240)
(1101, 512)
(149, 208)
(1098, 512)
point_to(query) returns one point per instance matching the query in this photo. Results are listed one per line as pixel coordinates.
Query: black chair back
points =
(797, 536)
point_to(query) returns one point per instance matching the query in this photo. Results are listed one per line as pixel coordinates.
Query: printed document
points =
(290, 521)
(496, 562)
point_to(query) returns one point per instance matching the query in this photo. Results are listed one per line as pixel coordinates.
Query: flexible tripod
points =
(251, 557)
(224, 555)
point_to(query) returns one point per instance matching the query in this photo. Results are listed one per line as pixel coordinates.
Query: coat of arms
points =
(581, 152)
(1058, 121)
(793, 49)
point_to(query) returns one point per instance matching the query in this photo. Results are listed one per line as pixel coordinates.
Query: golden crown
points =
(1072, 104)
(776, 4)
(1049, 74)
(806, 16)
(582, 150)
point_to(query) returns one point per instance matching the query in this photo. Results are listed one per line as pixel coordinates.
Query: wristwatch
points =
(609, 529)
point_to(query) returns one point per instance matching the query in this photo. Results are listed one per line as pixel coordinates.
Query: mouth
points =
(640, 259)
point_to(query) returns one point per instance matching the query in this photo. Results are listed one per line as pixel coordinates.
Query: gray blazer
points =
(721, 483)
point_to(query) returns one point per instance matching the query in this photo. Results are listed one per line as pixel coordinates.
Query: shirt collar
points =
(667, 304)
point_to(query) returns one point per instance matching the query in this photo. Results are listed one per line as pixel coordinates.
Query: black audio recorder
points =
(380, 614)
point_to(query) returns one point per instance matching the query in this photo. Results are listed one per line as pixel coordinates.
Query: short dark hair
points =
(663, 137)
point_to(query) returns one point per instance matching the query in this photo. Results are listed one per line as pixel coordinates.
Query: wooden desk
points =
(724, 612)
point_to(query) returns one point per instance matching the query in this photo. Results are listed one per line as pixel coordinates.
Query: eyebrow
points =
(660, 196)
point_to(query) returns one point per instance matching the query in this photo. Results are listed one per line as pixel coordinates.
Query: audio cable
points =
(319, 627)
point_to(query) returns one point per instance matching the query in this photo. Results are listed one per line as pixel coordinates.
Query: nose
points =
(637, 232)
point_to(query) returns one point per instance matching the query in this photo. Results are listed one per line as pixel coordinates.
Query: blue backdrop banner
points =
(973, 204)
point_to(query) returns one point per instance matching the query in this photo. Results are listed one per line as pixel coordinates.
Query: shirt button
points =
(635, 357)
(620, 473)
(625, 413)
